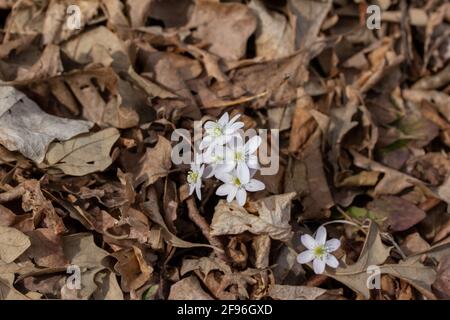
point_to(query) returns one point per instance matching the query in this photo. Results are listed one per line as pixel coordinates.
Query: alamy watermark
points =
(74, 16)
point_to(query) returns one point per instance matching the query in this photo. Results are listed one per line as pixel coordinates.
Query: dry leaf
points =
(84, 154)
(12, 244)
(26, 128)
(273, 219)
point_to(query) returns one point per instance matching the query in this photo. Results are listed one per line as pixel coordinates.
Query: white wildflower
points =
(194, 178)
(319, 251)
(236, 186)
(220, 132)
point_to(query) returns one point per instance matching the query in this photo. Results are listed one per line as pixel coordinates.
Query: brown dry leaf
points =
(13, 244)
(188, 289)
(49, 65)
(275, 34)
(81, 250)
(46, 248)
(284, 292)
(106, 99)
(355, 276)
(80, 49)
(153, 213)
(26, 128)
(398, 214)
(7, 290)
(84, 154)
(225, 27)
(442, 284)
(154, 164)
(133, 268)
(273, 219)
(205, 265)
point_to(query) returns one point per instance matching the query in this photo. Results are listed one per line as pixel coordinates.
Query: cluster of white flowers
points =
(226, 156)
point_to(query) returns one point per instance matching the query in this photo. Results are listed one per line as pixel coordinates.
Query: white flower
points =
(236, 186)
(194, 178)
(220, 132)
(241, 157)
(319, 250)
(215, 159)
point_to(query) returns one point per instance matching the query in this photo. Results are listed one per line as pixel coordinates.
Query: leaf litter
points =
(86, 123)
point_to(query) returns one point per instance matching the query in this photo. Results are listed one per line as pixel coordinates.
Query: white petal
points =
(224, 119)
(234, 118)
(223, 190)
(224, 177)
(332, 245)
(222, 169)
(206, 142)
(308, 241)
(210, 125)
(252, 162)
(305, 256)
(318, 266)
(243, 173)
(332, 261)
(321, 235)
(191, 188)
(232, 194)
(198, 191)
(254, 185)
(241, 197)
(234, 127)
(201, 169)
(253, 144)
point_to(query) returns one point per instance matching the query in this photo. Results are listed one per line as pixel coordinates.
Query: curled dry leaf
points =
(273, 219)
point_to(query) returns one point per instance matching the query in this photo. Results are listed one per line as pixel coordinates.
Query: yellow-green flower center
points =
(217, 131)
(320, 251)
(192, 176)
(238, 156)
(236, 181)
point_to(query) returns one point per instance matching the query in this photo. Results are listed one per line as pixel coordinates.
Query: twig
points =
(200, 222)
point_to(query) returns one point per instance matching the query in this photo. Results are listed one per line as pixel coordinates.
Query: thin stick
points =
(200, 222)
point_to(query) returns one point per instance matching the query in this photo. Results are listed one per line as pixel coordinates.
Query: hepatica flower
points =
(236, 186)
(228, 158)
(319, 251)
(220, 132)
(194, 178)
(242, 157)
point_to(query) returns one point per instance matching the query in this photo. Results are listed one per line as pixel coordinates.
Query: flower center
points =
(320, 251)
(236, 181)
(238, 156)
(192, 176)
(218, 131)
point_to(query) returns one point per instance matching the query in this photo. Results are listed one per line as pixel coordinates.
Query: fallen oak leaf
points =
(355, 276)
(83, 154)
